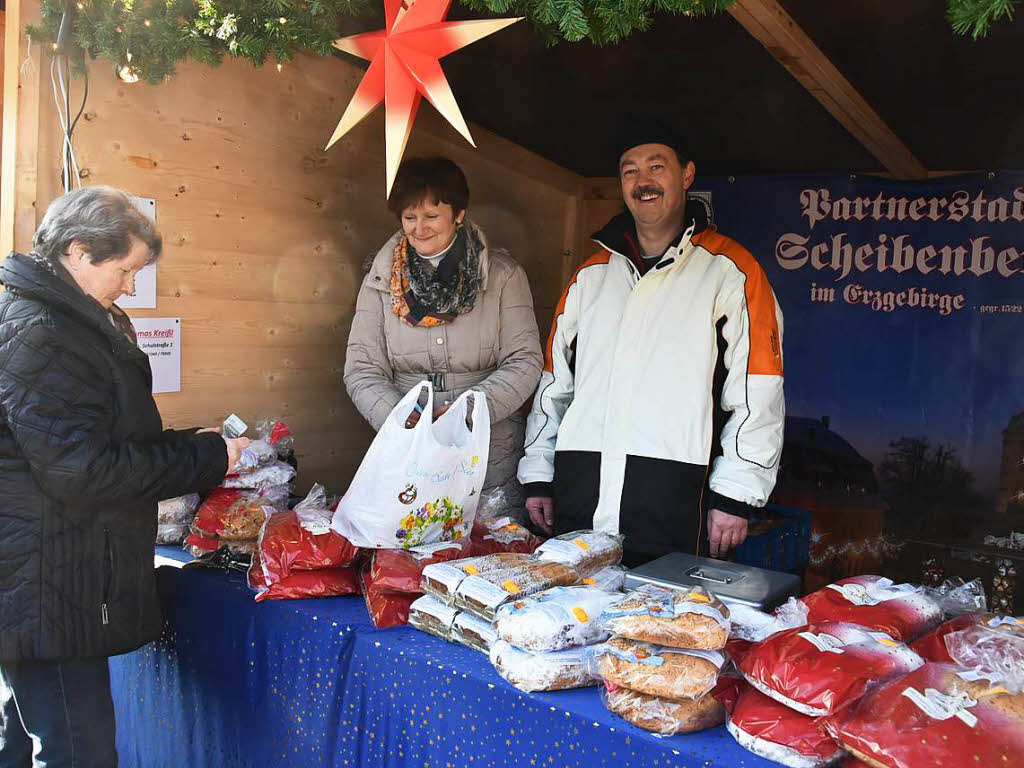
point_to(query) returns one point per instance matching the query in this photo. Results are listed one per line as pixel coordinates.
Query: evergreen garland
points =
(145, 39)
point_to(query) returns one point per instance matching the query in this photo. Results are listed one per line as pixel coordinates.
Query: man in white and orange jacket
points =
(661, 401)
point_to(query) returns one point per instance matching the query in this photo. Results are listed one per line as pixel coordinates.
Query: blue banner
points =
(904, 306)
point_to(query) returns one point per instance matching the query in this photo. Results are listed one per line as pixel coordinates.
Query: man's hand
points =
(542, 512)
(725, 531)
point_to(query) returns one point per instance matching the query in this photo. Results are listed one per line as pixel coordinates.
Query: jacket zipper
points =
(108, 551)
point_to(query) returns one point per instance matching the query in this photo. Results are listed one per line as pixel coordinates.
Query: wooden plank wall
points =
(265, 233)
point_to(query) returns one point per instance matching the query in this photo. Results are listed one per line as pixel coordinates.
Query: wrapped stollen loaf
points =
(482, 594)
(554, 619)
(678, 618)
(664, 716)
(671, 673)
(474, 632)
(552, 671)
(442, 579)
(586, 552)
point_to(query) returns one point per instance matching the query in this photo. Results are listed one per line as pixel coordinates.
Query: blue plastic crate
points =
(785, 547)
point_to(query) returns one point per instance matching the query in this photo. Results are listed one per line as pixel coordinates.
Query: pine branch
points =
(975, 17)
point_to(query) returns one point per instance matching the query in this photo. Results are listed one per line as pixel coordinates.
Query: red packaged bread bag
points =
(502, 535)
(326, 582)
(933, 717)
(902, 611)
(302, 540)
(234, 514)
(818, 668)
(400, 570)
(386, 609)
(773, 730)
(932, 645)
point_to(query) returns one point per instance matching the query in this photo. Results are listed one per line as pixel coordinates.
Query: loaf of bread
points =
(611, 578)
(933, 717)
(482, 594)
(442, 579)
(553, 671)
(586, 552)
(474, 632)
(693, 618)
(671, 673)
(664, 716)
(557, 618)
(429, 614)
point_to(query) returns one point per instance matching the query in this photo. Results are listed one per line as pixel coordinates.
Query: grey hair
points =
(102, 219)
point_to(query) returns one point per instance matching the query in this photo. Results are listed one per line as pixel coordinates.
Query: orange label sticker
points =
(590, 582)
(510, 586)
(513, 527)
(472, 570)
(994, 691)
(580, 614)
(697, 597)
(887, 641)
(580, 543)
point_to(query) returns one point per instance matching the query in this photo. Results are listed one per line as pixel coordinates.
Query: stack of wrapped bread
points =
(664, 658)
(533, 614)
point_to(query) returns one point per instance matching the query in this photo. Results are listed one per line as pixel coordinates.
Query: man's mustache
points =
(647, 190)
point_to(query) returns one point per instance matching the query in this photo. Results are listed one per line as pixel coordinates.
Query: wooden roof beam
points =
(789, 45)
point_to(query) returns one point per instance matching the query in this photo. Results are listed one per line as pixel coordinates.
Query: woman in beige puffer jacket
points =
(461, 316)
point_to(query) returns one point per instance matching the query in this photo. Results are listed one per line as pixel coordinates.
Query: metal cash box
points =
(732, 583)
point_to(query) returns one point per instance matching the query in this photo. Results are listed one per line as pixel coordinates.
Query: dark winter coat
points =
(83, 461)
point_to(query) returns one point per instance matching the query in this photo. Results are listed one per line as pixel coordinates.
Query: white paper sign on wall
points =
(145, 281)
(160, 338)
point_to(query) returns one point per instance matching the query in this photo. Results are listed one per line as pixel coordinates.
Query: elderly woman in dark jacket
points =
(83, 461)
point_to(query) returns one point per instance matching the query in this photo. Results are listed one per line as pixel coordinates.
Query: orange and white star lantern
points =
(404, 67)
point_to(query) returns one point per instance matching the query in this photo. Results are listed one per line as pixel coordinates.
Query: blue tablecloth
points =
(311, 682)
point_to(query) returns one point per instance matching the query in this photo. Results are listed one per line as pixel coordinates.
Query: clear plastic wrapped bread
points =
(482, 594)
(665, 717)
(557, 618)
(275, 473)
(428, 614)
(772, 730)
(259, 453)
(902, 611)
(553, 671)
(586, 552)
(933, 717)
(679, 618)
(174, 517)
(611, 579)
(474, 632)
(442, 579)
(671, 673)
(233, 514)
(932, 645)
(993, 651)
(819, 668)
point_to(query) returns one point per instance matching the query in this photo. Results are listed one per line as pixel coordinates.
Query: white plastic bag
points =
(420, 485)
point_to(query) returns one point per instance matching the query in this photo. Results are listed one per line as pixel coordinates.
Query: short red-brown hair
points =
(435, 179)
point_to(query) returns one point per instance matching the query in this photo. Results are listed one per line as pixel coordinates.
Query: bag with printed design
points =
(933, 717)
(586, 552)
(325, 582)
(502, 535)
(302, 540)
(678, 618)
(669, 673)
(772, 730)
(552, 671)
(902, 611)
(557, 618)
(420, 485)
(821, 667)
(401, 570)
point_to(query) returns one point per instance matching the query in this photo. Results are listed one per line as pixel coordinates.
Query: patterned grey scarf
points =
(450, 289)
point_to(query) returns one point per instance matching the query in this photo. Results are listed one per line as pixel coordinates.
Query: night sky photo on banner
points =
(903, 311)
